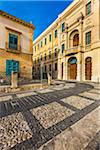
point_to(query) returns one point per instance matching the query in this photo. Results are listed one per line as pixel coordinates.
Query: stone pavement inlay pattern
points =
(50, 114)
(43, 116)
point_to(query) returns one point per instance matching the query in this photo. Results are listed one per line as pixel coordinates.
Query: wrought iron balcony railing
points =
(13, 48)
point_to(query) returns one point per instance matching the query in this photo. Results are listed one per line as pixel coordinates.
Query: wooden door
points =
(88, 68)
(73, 71)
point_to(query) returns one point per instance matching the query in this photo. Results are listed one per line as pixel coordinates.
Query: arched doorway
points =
(72, 68)
(88, 68)
(76, 40)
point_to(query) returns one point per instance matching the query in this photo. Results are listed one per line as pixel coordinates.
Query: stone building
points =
(16, 46)
(75, 36)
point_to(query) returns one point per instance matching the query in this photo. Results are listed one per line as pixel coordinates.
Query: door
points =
(11, 65)
(88, 68)
(72, 68)
(73, 71)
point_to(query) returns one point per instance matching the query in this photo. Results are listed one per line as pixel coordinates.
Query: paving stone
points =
(69, 85)
(25, 94)
(51, 114)
(95, 91)
(5, 98)
(90, 95)
(77, 101)
(13, 130)
(45, 91)
(94, 144)
(48, 118)
(77, 136)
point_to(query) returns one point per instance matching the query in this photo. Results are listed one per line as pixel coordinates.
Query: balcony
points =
(73, 50)
(12, 48)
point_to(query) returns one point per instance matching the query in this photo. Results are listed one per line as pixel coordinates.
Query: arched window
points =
(76, 40)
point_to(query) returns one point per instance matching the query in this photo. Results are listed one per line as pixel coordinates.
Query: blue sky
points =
(41, 13)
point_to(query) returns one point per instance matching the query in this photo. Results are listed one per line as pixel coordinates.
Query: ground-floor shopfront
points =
(80, 67)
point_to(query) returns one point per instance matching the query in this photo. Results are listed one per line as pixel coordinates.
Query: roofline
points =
(47, 29)
(13, 18)
(68, 8)
(56, 21)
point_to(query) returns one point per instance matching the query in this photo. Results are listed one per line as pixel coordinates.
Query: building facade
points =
(75, 35)
(45, 53)
(16, 46)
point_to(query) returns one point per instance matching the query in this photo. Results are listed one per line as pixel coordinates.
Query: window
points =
(88, 8)
(41, 57)
(49, 54)
(38, 59)
(45, 57)
(38, 46)
(55, 66)
(41, 44)
(45, 68)
(63, 47)
(45, 41)
(88, 38)
(55, 52)
(63, 27)
(50, 37)
(50, 67)
(76, 40)
(55, 33)
(35, 48)
(35, 60)
(13, 41)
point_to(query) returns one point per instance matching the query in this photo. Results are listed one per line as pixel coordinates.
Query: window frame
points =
(56, 66)
(63, 48)
(55, 52)
(45, 41)
(56, 33)
(50, 37)
(45, 56)
(41, 44)
(49, 54)
(13, 45)
(49, 67)
(88, 11)
(88, 38)
(63, 27)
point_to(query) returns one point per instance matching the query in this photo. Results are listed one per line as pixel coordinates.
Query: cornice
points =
(15, 19)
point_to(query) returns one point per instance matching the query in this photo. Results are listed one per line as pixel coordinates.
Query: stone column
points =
(59, 68)
(49, 79)
(65, 69)
(79, 67)
(79, 63)
(14, 80)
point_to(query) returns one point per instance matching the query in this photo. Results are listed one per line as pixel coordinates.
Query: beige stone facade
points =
(77, 43)
(16, 46)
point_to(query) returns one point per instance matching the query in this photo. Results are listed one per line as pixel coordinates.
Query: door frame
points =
(72, 60)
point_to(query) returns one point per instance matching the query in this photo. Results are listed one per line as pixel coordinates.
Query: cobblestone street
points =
(64, 116)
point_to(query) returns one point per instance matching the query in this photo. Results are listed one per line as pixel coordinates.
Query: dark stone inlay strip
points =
(47, 97)
(91, 99)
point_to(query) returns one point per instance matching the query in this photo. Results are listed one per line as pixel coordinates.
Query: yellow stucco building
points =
(69, 48)
(16, 46)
